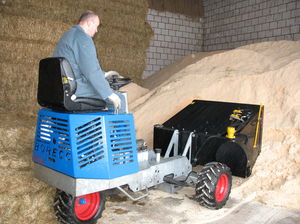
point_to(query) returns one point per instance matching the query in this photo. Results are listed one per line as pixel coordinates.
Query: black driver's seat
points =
(57, 85)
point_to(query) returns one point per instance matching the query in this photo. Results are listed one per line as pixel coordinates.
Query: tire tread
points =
(63, 209)
(207, 182)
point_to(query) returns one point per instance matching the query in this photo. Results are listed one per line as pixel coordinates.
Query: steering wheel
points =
(117, 82)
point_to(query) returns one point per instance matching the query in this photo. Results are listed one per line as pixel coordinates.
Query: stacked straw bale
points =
(29, 31)
(24, 41)
(24, 199)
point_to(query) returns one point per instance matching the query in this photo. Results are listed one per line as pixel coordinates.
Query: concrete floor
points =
(165, 208)
(256, 213)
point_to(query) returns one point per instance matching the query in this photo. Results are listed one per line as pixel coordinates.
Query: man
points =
(78, 47)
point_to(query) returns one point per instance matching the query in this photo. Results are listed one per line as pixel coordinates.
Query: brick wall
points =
(226, 25)
(233, 23)
(175, 36)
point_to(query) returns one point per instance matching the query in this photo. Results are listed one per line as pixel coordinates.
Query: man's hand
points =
(111, 74)
(115, 99)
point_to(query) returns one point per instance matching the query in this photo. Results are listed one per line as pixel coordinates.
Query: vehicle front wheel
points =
(85, 209)
(213, 185)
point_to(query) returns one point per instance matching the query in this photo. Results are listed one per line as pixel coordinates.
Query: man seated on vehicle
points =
(78, 47)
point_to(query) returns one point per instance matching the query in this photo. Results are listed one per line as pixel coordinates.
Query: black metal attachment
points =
(211, 141)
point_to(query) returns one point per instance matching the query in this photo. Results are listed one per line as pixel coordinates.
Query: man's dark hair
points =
(86, 15)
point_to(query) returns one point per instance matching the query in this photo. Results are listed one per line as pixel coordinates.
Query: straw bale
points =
(118, 36)
(128, 67)
(36, 3)
(90, 5)
(23, 198)
(35, 208)
(126, 7)
(18, 88)
(40, 9)
(12, 181)
(19, 75)
(25, 51)
(29, 30)
(15, 136)
(68, 10)
(24, 41)
(32, 29)
(122, 23)
(130, 38)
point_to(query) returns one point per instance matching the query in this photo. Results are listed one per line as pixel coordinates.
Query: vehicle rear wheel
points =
(213, 185)
(85, 209)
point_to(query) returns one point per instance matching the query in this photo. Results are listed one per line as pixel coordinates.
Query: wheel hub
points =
(86, 206)
(222, 187)
(82, 201)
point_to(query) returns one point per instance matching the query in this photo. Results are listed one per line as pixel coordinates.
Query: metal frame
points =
(153, 174)
(131, 197)
(179, 166)
(174, 145)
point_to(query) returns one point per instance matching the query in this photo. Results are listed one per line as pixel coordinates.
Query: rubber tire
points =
(64, 209)
(207, 183)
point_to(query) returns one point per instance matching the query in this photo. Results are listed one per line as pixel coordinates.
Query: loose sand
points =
(264, 73)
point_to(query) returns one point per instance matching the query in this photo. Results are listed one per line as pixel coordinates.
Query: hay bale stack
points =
(26, 28)
(55, 10)
(22, 195)
(30, 29)
(24, 41)
(124, 38)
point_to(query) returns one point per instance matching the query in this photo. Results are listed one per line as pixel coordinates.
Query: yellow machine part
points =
(230, 132)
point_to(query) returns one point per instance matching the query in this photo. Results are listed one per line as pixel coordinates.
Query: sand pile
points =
(164, 74)
(265, 73)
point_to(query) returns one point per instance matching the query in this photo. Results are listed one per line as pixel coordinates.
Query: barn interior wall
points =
(230, 24)
(224, 25)
(175, 36)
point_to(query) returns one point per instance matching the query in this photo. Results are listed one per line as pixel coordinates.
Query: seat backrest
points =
(57, 85)
(50, 85)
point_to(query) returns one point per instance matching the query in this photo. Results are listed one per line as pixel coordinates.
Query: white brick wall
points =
(175, 36)
(233, 23)
(226, 25)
